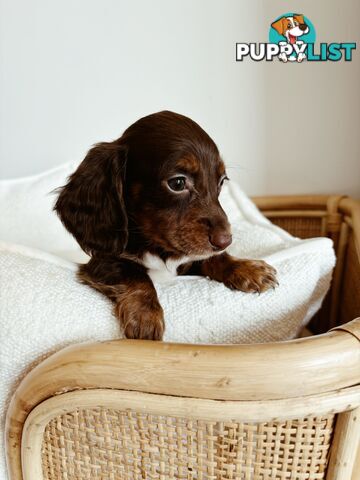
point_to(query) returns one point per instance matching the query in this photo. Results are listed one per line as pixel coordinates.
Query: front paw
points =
(301, 57)
(254, 276)
(141, 320)
(283, 57)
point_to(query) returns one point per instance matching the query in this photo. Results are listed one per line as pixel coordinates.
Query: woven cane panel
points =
(303, 227)
(349, 304)
(111, 444)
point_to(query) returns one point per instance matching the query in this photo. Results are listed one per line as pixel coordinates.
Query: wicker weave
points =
(110, 444)
(350, 289)
(302, 227)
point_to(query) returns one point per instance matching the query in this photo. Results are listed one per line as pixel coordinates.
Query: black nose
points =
(220, 240)
(303, 26)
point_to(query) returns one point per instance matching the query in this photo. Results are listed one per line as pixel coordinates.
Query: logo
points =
(292, 39)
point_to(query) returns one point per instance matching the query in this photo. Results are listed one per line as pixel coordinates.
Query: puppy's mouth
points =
(206, 252)
(292, 39)
(197, 256)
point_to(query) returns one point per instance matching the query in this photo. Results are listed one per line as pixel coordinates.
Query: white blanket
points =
(43, 308)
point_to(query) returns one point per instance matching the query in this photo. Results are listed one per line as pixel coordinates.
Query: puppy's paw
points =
(141, 320)
(301, 57)
(254, 276)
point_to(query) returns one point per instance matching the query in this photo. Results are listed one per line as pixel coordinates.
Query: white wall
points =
(79, 71)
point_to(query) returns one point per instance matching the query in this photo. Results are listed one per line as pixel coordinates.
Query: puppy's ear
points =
(280, 25)
(91, 204)
(299, 18)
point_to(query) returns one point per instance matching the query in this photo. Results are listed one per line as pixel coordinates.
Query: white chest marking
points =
(160, 271)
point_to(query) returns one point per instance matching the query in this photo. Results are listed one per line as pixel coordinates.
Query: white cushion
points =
(43, 307)
(27, 216)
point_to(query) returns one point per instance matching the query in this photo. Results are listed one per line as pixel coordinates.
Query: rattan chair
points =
(150, 410)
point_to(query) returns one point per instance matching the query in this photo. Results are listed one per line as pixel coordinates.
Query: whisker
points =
(239, 167)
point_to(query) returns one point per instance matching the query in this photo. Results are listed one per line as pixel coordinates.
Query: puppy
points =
(145, 207)
(291, 28)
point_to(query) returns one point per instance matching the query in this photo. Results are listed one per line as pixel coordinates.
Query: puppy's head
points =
(156, 188)
(291, 27)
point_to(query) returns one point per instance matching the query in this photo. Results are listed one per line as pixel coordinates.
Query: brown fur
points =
(247, 275)
(118, 205)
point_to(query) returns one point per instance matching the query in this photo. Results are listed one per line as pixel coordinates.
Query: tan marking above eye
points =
(189, 164)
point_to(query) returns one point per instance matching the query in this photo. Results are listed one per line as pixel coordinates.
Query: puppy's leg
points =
(129, 287)
(283, 56)
(244, 275)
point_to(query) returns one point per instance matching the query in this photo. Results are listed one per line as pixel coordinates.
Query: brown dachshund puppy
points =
(145, 207)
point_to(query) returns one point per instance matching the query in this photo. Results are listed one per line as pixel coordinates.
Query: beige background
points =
(313, 112)
(77, 72)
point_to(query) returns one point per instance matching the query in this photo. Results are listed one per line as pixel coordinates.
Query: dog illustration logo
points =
(292, 40)
(295, 30)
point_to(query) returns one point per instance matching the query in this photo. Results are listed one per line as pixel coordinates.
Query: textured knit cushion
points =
(26, 215)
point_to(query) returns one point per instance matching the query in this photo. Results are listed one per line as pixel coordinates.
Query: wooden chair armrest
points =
(284, 370)
(352, 327)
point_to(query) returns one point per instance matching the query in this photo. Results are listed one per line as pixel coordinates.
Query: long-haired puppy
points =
(145, 208)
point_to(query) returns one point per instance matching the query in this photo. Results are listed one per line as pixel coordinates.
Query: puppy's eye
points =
(222, 180)
(177, 184)
(289, 25)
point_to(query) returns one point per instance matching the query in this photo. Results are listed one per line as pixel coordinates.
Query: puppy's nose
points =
(220, 240)
(303, 26)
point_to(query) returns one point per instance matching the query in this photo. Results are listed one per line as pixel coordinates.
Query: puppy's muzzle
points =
(220, 240)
